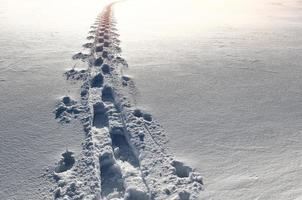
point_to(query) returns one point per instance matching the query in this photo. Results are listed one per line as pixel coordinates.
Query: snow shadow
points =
(112, 183)
(122, 149)
(100, 118)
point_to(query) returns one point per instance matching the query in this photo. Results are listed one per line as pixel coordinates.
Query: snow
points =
(123, 155)
(36, 45)
(226, 89)
(219, 79)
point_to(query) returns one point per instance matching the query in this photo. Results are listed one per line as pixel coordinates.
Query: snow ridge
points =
(123, 154)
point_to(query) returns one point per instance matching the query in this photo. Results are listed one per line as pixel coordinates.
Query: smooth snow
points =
(224, 79)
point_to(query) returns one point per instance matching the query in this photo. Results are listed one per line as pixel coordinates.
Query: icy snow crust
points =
(123, 154)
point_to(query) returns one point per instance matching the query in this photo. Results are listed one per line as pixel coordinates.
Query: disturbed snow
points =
(229, 96)
(124, 154)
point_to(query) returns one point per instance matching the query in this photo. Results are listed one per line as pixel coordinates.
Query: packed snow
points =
(123, 155)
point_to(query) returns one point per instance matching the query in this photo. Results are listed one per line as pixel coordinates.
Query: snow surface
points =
(226, 87)
(37, 40)
(223, 79)
(124, 154)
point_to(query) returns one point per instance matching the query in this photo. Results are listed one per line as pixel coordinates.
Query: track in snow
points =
(123, 154)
